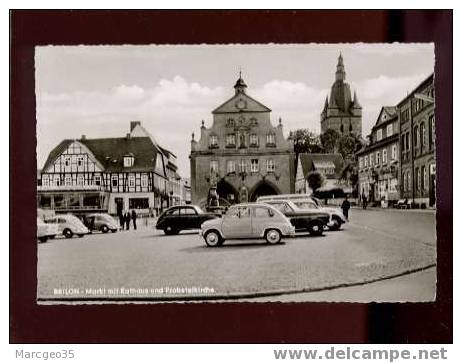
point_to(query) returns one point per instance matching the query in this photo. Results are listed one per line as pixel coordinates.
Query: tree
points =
(315, 180)
(329, 141)
(348, 145)
(349, 174)
(305, 141)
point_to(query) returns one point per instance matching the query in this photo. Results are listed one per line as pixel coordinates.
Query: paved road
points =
(146, 264)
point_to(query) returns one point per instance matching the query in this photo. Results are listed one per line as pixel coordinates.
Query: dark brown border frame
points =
(227, 322)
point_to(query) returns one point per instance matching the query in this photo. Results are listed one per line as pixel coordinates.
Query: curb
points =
(233, 296)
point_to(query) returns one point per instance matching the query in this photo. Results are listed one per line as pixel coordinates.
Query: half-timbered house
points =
(108, 174)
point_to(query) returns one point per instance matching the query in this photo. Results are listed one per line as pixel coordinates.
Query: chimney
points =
(133, 124)
(83, 137)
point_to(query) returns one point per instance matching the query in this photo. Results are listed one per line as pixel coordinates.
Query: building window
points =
(115, 181)
(80, 160)
(270, 166)
(393, 152)
(230, 166)
(97, 180)
(389, 130)
(377, 158)
(144, 180)
(254, 166)
(371, 160)
(417, 179)
(423, 136)
(431, 130)
(416, 136)
(67, 161)
(404, 181)
(379, 134)
(270, 139)
(214, 166)
(80, 180)
(213, 141)
(68, 180)
(128, 161)
(425, 179)
(138, 203)
(45, 180)
(231, 140)
(409, 180)
(253, 140)
(366, 159)
(131, 181)
(384, 156)
(360, 163)
(242, 167)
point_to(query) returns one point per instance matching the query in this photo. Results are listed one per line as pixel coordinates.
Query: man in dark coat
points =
(127, 220)
(134, 219)
(121, 220)
(346, 207)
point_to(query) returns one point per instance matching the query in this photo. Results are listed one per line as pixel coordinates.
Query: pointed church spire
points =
(326, 104)
(340, 74)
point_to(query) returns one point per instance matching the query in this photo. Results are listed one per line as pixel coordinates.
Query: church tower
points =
(341, 112)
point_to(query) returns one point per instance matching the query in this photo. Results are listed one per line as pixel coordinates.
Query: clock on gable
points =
(241, 104)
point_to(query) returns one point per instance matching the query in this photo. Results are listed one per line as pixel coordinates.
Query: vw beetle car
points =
(249, 220)
(181, 217)
(68, 225)
(101, 222)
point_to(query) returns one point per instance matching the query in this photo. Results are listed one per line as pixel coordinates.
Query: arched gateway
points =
(262, 188)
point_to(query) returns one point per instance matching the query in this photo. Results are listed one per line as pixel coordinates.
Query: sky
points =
(97, 90)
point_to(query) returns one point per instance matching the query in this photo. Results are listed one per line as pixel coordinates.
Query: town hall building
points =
(241, 155)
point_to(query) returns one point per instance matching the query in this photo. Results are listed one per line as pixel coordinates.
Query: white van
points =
(305, 201)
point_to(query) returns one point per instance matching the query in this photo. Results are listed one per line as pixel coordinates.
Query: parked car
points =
(311, 219)
(403, 204)
(249, 220)
(68, 225)
(100, 222)
(182, 217)
(217, 210)
(46, 231)
(305, 201)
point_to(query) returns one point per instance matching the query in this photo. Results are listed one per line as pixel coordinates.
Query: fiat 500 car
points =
(184, 217)
(243, 221)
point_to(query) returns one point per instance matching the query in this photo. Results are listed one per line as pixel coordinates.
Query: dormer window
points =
(379, 134)
(213, 141)
(129, 160)
(270, 140)
(253, 140)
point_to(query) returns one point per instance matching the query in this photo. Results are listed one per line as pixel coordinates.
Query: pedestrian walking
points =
(364, 200)
(121, 220)
(134, 219)
(346, 207)
(127, 221)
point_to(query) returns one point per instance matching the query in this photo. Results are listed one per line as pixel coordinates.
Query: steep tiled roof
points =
(110, 152)
(308, 160)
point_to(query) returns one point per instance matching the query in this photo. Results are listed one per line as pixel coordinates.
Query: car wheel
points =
(68, 233)
(213, 239)
(316, 229)
(170, 230)
(43, 239)
(273, 236)
(104, 229)
(335, 225)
